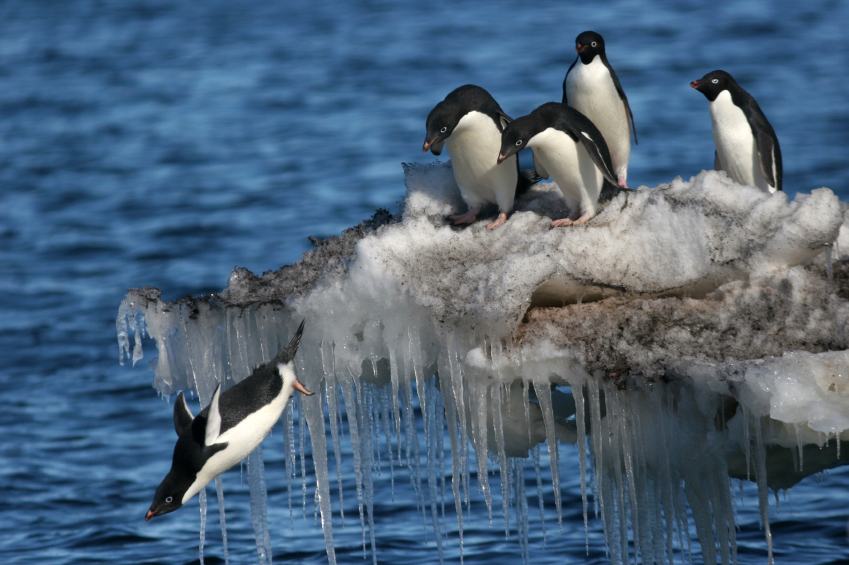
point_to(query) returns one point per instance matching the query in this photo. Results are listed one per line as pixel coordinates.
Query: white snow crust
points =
(696, 319)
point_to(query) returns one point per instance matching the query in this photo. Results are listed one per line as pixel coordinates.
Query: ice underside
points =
(706, 329)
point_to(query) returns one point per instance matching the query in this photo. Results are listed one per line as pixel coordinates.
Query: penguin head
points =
(169, 496)
(516, 136)
(588, 45)
(713, 83)
(285, 365)
(440, 124)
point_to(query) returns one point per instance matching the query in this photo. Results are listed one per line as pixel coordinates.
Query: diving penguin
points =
(570, 148)
(226, 431)
(592, 87)
(469, 123)
(746, 145)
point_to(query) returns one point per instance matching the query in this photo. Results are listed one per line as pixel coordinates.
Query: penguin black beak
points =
(427, 145)
(695, 84)
(301, 388)
(579, 47)
(149, 515)
(501, 159)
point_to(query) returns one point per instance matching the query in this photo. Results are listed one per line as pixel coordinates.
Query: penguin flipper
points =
(539, 167)
(565, 99)
(769, 153)
(717, 165)
(594, 150)
(213, 418)
(769, 158)
(503, 120)
(182, 415)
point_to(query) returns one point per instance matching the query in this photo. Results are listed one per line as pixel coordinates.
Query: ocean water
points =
(164, 143)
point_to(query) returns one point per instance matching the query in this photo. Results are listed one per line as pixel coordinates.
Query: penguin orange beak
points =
(695, 84)
(149, 515)
(301, 388)
(427, 145)
(501, 159)
(578, 47)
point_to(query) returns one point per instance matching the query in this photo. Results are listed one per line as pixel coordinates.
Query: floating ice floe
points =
(698, 327)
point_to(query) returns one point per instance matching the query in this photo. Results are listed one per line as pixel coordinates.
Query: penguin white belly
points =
(591, 91)
(735, 143)
(571, 167)
(241, 440)
(474, 146)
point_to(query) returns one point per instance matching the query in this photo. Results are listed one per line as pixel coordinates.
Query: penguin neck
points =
(589, 58)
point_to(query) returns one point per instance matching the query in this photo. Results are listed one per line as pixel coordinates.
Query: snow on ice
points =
(706, 333)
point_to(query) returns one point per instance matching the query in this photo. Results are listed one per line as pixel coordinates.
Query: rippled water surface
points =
(164, 143)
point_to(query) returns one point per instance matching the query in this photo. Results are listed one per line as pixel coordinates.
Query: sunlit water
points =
(164, 143)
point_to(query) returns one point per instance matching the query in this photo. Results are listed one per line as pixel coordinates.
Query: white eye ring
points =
(715, 81)
(169, 499)
(443, 130)
(593, 44)
(519, 142)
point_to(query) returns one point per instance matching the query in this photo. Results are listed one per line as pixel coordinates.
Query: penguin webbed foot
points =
(502, 217)
(466, 218)
(572, 220)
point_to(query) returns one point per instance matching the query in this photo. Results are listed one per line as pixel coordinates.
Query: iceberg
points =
(690, 333)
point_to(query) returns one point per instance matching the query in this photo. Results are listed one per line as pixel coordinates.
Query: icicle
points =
(433, 446)
(219, 488)
(302, 430)
(202, 501)
(828, 268)
(543, 394)
(447, 381)
(521, 503)
(535, 455)
(259, 505)
(314, 414)
(763, 488)
(581, 424)
(498, 424)
(354, 413)
(289, 449)
(329, 367)
(396, 410)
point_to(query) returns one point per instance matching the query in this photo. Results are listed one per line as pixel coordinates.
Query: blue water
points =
(164, 143)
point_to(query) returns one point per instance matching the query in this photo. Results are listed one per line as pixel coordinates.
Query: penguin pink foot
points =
(466, 218)
(571, 221)
(623, 183)
(502, 217)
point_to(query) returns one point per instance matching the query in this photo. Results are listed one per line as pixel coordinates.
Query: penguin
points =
(592, 87)
(469, 122)
(226, 431)
(746, 145)
(569, 148)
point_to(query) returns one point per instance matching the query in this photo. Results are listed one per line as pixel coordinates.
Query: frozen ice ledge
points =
(706, 330)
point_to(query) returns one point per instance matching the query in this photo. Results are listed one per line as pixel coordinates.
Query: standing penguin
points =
(746, 145)
(226, 431)
(592, 87)
(469, 122)
(567, 145)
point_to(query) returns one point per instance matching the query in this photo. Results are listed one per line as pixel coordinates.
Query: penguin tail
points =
(288, 353)
(609, 191)
(527, 179)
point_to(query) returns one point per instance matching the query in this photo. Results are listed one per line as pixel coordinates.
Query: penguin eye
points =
(715, 81)
(593, 44)
(443, 130)
(169, 499)
(519, 142)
